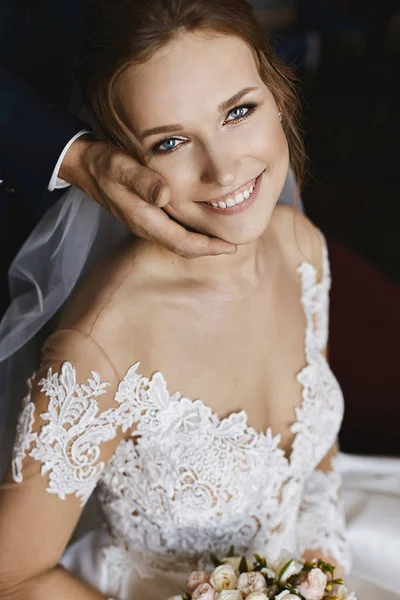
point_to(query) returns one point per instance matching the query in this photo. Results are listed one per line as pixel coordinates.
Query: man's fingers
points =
(137, 201)
(145, 183)
(194, 245)
(174, 237)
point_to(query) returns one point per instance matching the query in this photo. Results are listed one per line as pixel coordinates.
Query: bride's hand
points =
(135, 195)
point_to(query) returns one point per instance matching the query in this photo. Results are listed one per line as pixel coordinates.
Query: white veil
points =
(71, 236)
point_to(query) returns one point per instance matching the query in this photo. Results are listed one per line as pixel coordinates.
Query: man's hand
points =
(135, 195)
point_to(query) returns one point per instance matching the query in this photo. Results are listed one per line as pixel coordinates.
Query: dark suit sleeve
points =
(33, 133)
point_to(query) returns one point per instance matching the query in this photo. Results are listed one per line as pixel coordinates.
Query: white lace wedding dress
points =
(186, 482)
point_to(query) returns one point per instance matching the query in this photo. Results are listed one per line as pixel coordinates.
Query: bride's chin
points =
(236, 236)
(240, 238)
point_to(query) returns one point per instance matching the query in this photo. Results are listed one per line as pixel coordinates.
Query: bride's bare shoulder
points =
(101, 293)
(299, 239)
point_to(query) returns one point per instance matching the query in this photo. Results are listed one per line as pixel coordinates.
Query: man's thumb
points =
(160, 195)
(147, 184)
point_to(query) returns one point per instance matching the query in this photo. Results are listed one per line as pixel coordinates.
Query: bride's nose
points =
(219, 166)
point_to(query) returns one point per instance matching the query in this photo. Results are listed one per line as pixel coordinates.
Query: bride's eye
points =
(240, 112)
(168, 145)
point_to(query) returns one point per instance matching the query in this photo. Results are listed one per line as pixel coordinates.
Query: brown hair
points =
(126, 32)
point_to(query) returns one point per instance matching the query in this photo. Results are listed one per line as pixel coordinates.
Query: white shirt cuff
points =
(56, 182)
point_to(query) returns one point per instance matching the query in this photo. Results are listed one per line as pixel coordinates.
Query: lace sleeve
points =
(66, 418)
(69, 428)
(321, 521)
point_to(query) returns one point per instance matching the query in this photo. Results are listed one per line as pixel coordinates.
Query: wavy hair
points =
(126, 32)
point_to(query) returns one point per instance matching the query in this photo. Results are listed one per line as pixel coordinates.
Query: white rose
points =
(229, 595)
(224, 578)
(268, 573)
(341, 593)
(294, 566)
(286, 595)
(257, 596)
(234, 561)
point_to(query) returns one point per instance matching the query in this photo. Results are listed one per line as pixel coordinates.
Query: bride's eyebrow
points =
(224, 106)
(236, 98)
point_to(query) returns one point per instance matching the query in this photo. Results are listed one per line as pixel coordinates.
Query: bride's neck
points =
(234, 274)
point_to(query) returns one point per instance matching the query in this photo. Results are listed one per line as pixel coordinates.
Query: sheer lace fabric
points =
(186, 482)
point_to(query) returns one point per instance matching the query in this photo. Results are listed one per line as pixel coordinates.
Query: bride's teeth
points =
(239, 198)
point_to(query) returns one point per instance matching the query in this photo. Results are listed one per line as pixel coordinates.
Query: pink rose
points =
(251, 582)
(204, 592)
(312, 585)
(196, 578)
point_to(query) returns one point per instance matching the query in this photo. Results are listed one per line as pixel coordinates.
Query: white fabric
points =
(372, 498)
(56, 182)
(371, 490)
(186, 482)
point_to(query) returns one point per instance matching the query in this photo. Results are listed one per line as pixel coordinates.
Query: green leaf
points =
(293, 590)
(215, 560)
(231, 552)
(326, 567)
(284, 569)
(243, 567)
(274, 590)
(260, 563)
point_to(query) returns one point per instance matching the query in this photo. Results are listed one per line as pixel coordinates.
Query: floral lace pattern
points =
(321, 513)
(69, 445)
(186, 482)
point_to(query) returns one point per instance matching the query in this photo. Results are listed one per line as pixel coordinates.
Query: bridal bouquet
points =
(288, 578)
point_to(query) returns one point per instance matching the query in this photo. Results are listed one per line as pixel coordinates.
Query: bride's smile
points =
(238, 200)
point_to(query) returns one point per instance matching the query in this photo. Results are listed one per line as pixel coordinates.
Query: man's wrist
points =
(73, 161)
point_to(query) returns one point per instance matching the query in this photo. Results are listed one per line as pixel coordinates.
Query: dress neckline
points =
(311, 302)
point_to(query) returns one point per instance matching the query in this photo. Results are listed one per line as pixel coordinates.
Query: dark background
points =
(350, 88)
(347, 55)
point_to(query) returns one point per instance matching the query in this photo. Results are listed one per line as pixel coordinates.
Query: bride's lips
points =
(238, 208)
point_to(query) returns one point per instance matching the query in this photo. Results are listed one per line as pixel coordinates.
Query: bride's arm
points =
(68, 429)
(322, 524)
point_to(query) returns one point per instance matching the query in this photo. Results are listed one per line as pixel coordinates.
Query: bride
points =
(245, 452)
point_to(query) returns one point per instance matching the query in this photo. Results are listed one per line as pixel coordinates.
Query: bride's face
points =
(211, 128)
